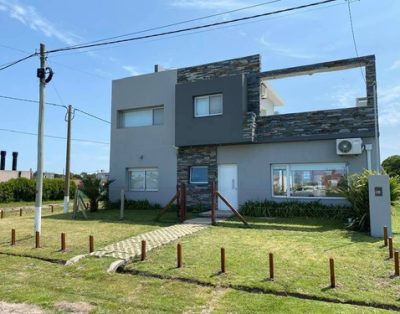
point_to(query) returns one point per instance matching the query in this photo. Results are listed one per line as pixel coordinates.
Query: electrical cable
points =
(54, 136)
(189, 28)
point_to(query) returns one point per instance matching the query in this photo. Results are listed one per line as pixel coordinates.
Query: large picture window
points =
(209, 105)
(140, 179)
(141, 117)
(307, 180)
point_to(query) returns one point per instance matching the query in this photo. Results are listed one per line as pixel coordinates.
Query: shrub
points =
(355, 189)
(23, 189)
(292, 209)
(134, 205)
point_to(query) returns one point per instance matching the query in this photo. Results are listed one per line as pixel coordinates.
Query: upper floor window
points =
(209, 105)
(141, 117)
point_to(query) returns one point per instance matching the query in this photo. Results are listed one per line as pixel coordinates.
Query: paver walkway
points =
(130, 248)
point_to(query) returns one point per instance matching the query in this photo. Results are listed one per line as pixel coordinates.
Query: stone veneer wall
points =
(250, 66)
(349, 122)
(197, 194)
(249, 126)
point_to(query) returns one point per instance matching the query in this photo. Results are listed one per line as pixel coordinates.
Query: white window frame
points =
(129, 170)
(120, 116)
(289, 181)
(209, 103)
(190, 174)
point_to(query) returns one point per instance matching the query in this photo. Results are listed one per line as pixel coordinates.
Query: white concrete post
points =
(121, 214)
(379, 205)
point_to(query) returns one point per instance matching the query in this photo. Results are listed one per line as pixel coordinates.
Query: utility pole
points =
(41, 73)
(67, 162)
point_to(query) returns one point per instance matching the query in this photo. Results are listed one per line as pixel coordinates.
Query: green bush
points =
(134, 205)
(23, 189)
(288, 209)
(355, 189)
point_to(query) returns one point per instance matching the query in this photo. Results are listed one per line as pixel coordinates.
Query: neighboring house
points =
(102, 175)
(218, 121)
(14, 173)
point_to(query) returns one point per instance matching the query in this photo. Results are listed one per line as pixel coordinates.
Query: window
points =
(307, 180)
(209, 105)
(199, 175)
(140, 179)
(141, 117)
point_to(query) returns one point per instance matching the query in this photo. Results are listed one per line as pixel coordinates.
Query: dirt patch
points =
(76, 307)
(19, 308)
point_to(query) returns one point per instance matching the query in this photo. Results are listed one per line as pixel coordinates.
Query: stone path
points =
(130, 248)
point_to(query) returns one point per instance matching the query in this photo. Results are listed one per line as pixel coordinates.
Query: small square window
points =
(199, 175)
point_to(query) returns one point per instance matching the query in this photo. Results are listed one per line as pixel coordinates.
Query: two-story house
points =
(218, 121)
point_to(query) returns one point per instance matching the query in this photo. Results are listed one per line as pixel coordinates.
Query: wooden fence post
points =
(390, 247)
(271, 266)
(20, 212)
(332, 272)
(122, 208)
(213, 203)
(179, 255)
(2, 213)
(385, 236)
(37, 239)
(143, 251)
(62, 242)
(52, 208)
(396, 263)
(12, 236)
(223, 260)
(91, 244)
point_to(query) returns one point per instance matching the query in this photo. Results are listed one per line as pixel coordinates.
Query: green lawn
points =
(104, 225)
(301, 248)
(45, 284)
(22, 204)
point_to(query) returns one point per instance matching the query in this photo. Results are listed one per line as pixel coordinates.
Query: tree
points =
(392, 165)
(94, 190)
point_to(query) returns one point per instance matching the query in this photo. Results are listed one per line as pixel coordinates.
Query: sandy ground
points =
(23, 308)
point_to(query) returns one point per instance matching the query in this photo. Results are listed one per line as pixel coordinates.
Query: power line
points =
(54, 136)
(189, 28)
(91, 115)
(354, 37)
(180, 22)
(54, 104)
(7, 65)
(31, 100)
(203, 31)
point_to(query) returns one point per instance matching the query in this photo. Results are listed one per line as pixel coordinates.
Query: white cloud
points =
(28, 16)
(395, 65)
(131, 70)
(389, 106)
(286, 51)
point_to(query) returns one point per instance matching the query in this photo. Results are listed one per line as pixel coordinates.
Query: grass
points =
(301, 247)
(22, 204)
(45, 284)
(104, 225)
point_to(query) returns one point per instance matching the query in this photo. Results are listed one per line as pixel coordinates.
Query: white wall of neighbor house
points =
(255, 161)
(144, 147)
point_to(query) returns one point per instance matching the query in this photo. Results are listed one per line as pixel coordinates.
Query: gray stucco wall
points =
(218, 129)
(154, 143)
(254, 164)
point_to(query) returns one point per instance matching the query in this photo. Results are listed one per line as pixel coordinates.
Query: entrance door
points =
(228, 185)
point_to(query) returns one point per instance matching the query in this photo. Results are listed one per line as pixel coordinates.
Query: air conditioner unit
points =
(349, 146)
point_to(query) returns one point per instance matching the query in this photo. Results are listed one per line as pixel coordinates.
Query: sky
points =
(83, 78)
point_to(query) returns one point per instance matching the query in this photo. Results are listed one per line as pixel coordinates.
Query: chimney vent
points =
(3, 160)
(14, 161)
